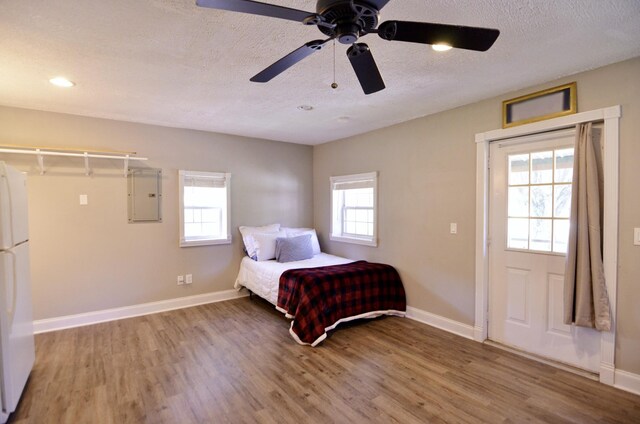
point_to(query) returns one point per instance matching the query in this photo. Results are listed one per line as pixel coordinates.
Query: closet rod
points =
(66, 149)
(79, 155)
(86, 155)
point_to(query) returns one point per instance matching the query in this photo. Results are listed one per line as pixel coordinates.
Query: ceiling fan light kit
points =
(62, 82)
(441, 47)
(347, 21)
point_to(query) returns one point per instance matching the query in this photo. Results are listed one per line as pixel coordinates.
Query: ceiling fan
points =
(347, 21)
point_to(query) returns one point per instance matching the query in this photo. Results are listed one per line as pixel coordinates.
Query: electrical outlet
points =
(84, 200)
(189, 279)
(636, 236)
(180, 280)
(453, 228)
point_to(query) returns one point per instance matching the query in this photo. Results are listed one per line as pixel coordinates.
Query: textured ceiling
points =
(171, 63)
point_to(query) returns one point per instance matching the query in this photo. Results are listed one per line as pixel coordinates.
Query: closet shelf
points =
(40, 153)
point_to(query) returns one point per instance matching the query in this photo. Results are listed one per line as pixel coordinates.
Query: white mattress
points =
(263, 278)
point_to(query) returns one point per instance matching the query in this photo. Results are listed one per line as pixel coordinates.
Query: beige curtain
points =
(586, 302)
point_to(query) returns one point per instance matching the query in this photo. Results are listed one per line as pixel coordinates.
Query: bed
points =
(319, 293)
(262, 278)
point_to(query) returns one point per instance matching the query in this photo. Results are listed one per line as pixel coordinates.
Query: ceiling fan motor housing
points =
(349, 19)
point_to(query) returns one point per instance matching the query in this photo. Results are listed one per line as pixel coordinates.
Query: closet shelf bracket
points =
(87, 170)
(40, 161)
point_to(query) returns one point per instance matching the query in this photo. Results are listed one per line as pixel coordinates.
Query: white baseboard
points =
(88, 318)
(479, 334)
(627, 381)
(440, 322)
(607, 373)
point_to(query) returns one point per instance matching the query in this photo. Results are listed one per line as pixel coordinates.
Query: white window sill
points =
(192, 243)
(353, 240)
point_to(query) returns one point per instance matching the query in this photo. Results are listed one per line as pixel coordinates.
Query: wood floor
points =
(234, 362)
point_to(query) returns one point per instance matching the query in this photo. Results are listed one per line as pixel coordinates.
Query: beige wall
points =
(87, 258)
(427, 180)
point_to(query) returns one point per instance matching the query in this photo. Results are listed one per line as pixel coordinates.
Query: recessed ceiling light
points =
(306, 108)
(62, 82)
(441, 47)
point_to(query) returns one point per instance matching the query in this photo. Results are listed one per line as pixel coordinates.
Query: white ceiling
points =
(171, 63)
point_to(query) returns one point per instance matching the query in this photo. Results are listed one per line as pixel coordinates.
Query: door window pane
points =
(542, 167)
(560, 235)
(518, 169)
(541, 201)
(562, 201)
(564, 166)
(540, 235)
(518, 233)
(519, 201)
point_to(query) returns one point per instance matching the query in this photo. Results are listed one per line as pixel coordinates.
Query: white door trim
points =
(611, 118)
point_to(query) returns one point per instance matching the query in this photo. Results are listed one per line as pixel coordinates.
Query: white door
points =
(530, 183)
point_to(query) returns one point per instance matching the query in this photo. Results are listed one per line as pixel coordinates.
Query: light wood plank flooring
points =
(235, 362)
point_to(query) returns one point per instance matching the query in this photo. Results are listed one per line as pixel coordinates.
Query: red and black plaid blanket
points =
(318, 299)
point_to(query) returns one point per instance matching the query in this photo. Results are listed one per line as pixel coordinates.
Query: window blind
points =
(217, 181)
(353, 185)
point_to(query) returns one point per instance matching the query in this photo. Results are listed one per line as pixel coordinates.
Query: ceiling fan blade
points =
(461, 37)
(256, 8)
(365, 67)
(289, 60)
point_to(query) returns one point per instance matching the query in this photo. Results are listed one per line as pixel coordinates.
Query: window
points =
(539, 200)
(204, 208)
(353, 208)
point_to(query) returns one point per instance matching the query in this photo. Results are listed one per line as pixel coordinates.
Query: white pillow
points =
(293, 232)
(247, 237)
(265, 245)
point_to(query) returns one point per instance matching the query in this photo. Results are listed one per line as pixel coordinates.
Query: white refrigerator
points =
(17, 351)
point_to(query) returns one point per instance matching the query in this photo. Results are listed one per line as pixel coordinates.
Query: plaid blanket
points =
(318, 299)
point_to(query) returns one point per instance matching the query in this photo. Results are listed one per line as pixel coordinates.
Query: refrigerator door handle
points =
(5, 181)
(12, 309)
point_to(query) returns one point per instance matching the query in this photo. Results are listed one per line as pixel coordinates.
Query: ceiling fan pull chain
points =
(334, 84)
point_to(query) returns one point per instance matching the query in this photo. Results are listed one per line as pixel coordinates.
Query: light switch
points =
(84, 199)
(636, 236)
(453, 228)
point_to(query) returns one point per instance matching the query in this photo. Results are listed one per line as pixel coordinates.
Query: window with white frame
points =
(353, 208)
(204, 208)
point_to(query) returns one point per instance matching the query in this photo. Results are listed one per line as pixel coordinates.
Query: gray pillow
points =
(291, 249)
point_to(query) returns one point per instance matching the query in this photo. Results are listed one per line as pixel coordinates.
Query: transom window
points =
(204, 208)
(539, 200)
(353, 199)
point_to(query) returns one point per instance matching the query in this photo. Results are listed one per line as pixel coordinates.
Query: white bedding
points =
(263, 278)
